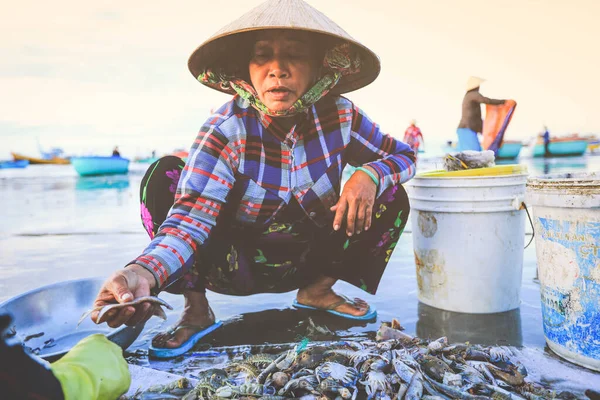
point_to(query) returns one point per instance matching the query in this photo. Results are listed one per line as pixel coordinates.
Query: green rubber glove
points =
(94, 369)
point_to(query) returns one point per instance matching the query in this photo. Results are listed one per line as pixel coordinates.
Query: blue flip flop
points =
(163, 352)
(370, 314)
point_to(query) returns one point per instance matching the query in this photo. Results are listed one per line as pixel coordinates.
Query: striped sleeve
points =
(206, 180)
(393, 160)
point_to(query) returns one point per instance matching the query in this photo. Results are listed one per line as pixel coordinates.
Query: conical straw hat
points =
(281, 14)
(474, 82)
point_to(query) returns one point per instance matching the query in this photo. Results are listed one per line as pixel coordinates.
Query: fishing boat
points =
(99, 165)
(147, 160)
(34, 160)
(181, 154)
(14, 164)
(561, 146)
(593, 145)
(509, 150)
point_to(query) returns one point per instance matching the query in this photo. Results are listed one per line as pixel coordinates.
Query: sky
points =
(87, 76)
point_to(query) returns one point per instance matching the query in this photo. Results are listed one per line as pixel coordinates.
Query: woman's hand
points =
(356, 201)
(124, 286)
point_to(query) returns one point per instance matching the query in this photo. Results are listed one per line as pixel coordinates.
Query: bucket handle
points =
(524, 207)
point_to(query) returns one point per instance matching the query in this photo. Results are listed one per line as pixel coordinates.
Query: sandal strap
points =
(345, 300)
(335, 305)
(198, 328)
(173, 329)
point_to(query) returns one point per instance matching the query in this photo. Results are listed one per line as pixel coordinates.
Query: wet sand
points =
(57, 226)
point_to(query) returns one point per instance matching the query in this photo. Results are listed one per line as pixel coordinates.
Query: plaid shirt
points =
(244, 161)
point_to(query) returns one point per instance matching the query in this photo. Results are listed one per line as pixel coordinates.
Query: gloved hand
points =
(94, 369)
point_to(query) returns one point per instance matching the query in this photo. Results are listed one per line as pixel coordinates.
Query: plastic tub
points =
(468, 238)
(566, 216)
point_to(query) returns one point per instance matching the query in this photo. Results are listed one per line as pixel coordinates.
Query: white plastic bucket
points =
(468, 239)
(566, 217)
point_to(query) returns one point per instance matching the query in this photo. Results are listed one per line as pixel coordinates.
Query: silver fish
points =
(404, 371)
(433, 391)
(402, 391)
(451, 391)
(504, 394)
(158, 311)
(415, 388)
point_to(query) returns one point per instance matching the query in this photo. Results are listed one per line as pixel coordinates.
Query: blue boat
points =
(561, 147)
(147, 160)
(509, 150)
(98, 165)
(14, 164)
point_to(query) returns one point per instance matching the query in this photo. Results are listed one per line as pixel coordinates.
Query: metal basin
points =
(51, 313)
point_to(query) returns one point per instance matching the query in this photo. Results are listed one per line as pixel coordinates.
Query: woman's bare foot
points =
(196, 316)
(319, 294)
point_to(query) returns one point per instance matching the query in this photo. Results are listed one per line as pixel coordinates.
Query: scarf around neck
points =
(338, 61)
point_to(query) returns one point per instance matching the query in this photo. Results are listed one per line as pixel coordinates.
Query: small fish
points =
(402, 370)
(402, 391)
(512, 377)
(502, 394)
(475, 354)
(453, 392)
(434, 367)
(415, 388)
(158, 311)
(35, 335)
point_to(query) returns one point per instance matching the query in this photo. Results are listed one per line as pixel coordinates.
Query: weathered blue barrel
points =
(566, 210)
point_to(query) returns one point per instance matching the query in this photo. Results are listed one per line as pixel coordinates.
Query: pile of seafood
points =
(393, 366)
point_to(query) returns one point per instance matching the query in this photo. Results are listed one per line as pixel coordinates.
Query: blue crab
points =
(346, 376)
(305, 383)
(376, 385)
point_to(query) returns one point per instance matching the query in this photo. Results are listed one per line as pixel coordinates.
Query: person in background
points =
(413, 137)
(115, 152)
(258, 206)
(94, 369)
(546, 136)
(471, 123)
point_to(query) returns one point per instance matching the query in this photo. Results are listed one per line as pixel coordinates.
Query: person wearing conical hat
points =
(257, 207)
(471, 123)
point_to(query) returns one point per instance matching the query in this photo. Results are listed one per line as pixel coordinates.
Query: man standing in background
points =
(471, 123)
(546, 136)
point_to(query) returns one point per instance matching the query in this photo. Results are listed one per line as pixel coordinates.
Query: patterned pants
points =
(286, 254)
